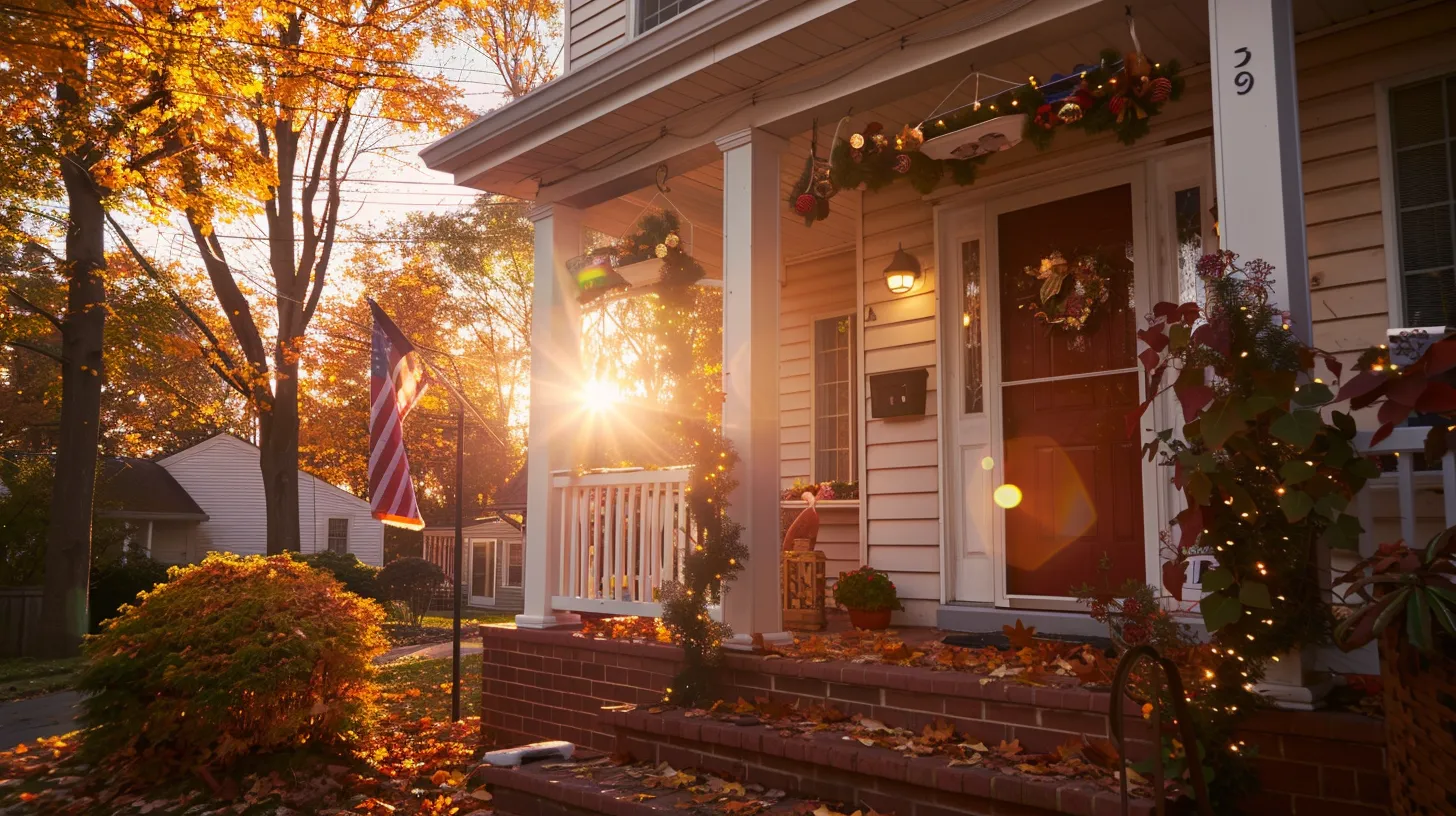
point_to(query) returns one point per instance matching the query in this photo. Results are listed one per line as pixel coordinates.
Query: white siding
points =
(222, 476)
(594, 27)
(900, 493)
(438, 545)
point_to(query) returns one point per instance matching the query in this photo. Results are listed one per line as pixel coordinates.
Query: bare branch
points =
(41, 350)
(27, 304)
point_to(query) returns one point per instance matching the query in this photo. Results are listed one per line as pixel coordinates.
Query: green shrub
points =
(866, 590)
(356, 576)
(232, 656)
(413, 581)
(114, 584)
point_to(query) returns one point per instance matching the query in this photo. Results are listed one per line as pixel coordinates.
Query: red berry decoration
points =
(1131, 607)
(1160, 89)
(902, 163)
(805, 204)
(1117, 104)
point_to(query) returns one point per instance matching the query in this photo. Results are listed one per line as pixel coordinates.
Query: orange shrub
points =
(231, 656)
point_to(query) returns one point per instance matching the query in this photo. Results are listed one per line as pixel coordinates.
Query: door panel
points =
(482, 572)
(1063, 405)
(1081, 483)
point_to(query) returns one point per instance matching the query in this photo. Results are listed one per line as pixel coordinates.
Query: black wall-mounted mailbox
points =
(898, 393)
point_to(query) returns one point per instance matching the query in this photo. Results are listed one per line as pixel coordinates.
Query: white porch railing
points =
(1406, 481)
(623, 534)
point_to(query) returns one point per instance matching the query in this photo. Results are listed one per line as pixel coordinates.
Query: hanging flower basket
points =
(984, 139)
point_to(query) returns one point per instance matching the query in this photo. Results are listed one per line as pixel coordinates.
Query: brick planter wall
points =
(553, 685)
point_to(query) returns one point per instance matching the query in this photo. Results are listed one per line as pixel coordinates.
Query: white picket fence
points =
(623, 534)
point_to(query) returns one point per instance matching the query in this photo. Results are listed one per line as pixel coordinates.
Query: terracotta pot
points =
(861, 619)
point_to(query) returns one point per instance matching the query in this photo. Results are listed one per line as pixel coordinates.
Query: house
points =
(494, 553)
(221, 476)
(1315, 135)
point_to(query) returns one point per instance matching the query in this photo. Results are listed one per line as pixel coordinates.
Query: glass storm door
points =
(482, 572)
(1064, 398)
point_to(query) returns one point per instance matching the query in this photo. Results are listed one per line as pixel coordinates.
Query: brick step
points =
(825, 765)
(547, 789)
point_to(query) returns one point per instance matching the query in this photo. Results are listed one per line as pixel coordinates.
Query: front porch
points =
(723, 144)
(605, 696)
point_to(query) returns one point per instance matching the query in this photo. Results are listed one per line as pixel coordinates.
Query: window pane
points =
(1423, 131)
(1188, 211)
(971, 326)
(834, 418)
(653, 13)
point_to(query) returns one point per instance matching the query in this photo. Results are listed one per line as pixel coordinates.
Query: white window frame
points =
(1389, 208)
(329, 534)
(855, 430)
(514, 548)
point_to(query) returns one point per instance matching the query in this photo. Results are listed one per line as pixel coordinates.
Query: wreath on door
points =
(1071, 295)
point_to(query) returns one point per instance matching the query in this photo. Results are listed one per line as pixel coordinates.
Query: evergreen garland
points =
(1119, 94)
(717, 551)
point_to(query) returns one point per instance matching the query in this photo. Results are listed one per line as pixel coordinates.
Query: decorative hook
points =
(662, 179)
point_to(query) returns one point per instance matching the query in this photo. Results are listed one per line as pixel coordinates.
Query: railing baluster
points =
(1405, 474)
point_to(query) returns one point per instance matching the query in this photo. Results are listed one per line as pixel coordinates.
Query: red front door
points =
(1064, 398)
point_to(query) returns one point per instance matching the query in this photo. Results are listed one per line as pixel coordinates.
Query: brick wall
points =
(552, 685)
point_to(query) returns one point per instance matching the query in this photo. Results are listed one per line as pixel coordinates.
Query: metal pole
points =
(459, 553)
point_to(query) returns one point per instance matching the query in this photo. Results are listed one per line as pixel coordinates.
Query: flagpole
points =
(459, 552)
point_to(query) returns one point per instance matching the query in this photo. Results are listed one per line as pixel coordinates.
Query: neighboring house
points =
(1327, 133)
(162, 517)
(222, 477)
(494, 551)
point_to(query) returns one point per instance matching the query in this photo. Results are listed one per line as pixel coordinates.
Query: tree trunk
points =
(65, 617)
(278, 444)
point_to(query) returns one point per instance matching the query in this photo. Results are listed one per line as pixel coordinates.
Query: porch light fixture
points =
(903, 271)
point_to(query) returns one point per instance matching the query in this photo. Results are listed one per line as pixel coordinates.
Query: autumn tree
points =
(96, 98)
(315, 87)
(522, 40)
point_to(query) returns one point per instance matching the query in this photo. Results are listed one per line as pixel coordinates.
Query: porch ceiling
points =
(606, 147)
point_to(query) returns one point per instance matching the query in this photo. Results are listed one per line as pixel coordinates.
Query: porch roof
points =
(599, 131)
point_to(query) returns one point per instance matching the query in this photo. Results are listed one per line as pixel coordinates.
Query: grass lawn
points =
(23, 677)
(437, 627)
(421, 688)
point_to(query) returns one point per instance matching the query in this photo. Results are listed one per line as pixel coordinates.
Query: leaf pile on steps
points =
(1095, 760)
(1030, 660)
(405, 767)
(691, 790)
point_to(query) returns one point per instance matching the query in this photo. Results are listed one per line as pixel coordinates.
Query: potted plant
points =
(869, 595)
(1406, 600)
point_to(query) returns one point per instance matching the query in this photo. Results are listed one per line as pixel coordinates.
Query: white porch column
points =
(1261, 204)
(1256, 142)
(555, 376)
(751, 261)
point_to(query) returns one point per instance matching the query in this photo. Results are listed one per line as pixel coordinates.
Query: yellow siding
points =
(1338, 74)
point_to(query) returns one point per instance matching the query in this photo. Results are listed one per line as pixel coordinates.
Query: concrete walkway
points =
(49, 715)
(428, 651)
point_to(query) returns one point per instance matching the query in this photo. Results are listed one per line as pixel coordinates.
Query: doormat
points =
(999, 640)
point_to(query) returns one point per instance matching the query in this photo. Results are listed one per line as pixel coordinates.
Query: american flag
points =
(397, 380)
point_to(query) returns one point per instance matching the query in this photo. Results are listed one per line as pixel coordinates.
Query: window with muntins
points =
(514, 563)
(338, 535)
(653, 13)
(1423, 152)
(834, 427)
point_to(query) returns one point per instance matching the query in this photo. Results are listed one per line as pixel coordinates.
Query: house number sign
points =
(1243, 80)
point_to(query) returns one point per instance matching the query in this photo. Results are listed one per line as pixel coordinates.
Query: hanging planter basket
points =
(984, 139)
